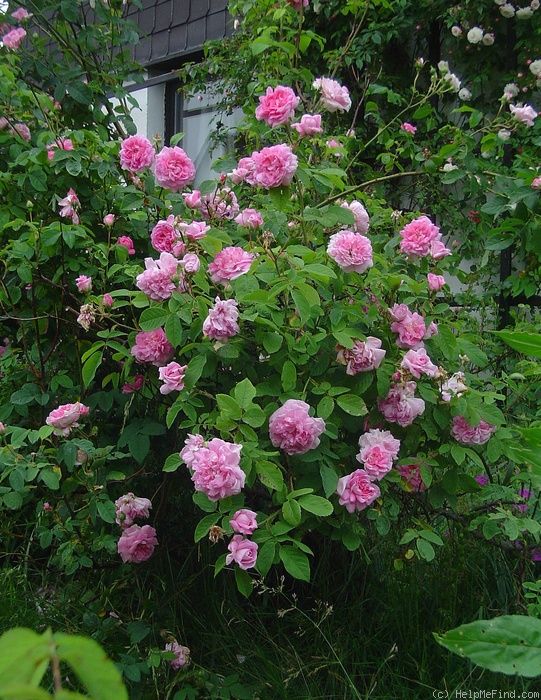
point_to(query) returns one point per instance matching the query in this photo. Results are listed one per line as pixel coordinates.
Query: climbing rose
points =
(525, 114)
(243, 171)
(475, 35)
(156, 281)
(249, 218)
(277, 106)
(309, 125)
(136, 154)
(191, 263)
(298, 4)
(109, 220)
(66, 417)
(191, 445)
(216, 469)
(62, 144)
(357, 491)
(351, 251)
(400, 405)
(378, 450)
(536, 183)
(69, 205)
(244, 521)
(192, 199)
(435, 282)
(293, 430)
(273, 166)
(417, 362)
(242, 551)
(107, 300)
(14, 38)
(21, 130)
(136, 544)
(83, 283)
(438, 250)
(411, 474)
(172, 376)
(417, 237)
(454, 386)
(165, 237)
(173, 169)
(364, 356)
(87, 316)
(468, 434)
(194, 231)
(408, 128)
(126, 242)
(129, 508)
(21, 14)
(135, 385)
(153, 347)
(334, 96)
(230, 263)
(410, 327)
(222, 320)
(182, 655)
(360, 215)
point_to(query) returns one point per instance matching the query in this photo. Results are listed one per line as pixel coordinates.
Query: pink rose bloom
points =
(109, 220)
(136, 154)
(400, 405)
(66, 417)
(62, 144)
(153, 347)
(192, 199)
(230, 263)
(195, 231)
(21, 14)
(351, 251)
(216, 469)
(525, 114)
(274, 166)
(293, 430)
(417, 363)
(220, 204)
(333, 143)
(164, 235)
(84, 283)
(410, 327)
(191, 445)
(454, 386)
(242, 551)
(382, 438)
(47, 507)
(364, 356)
(173, 169)
(362, 220)
(14, 38)
(244, 521)
(222, 320)
(408, 128)
(334, 96)
(157, 279)
(21, 130)
(135, 385)
(182, 655)
(126, 242)
(69, 205)
(298, 4)
(129, 508)
(107, 300)
(309, 125)
(357, 491)
(468, 434)
(438, 250)
(536, 183)
(172, 376)
(277, 106)
(136, 544)
(435, 282)
(249, 218)
(417, 237)
(376, 460)
(86, 316)
(411, 474)
(191, 263)
(244, 171)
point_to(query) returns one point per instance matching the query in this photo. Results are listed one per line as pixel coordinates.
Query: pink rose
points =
(136, 154)
(191, 263)
(417, 363)
(410, 327)
(417, 237)
(66, 417)
(230, 263)
(411, 474)
(468, 434)
(136, 544)
(242, 551)
(334, 96)
(438, 250)
(381, 438)
(135, 385)
(243, 171)
(182, 655)
(165, 236)
(129, 508)
(216, 469)
(293, 430)
(14, 38)
(107, 300)
(277, 106)
(62, 144)
(244, 521)
(47, 507)
(249, 218)
(87, 316)
(2, 428)
(351, 251)
(222, 320)
(333, 143)
(172, 376)
(274, 166)
(195, 231)
(191, 445)
(525, 114)
(309, 125)
(360, 215)
(83, 283)
(153, 347)
(192, 199)
(126, 242)
(21, 14)
(536, 183)
(109, 220)
(298, 4)
(435, 282)
(173, 169)
(364, 356)
(69, 205)
(408, 128)
(157, 279)
(21, 130)
(357, 491)
(400, 405)
(220, 204)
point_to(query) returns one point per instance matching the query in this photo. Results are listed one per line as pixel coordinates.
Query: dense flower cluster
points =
(215, 466)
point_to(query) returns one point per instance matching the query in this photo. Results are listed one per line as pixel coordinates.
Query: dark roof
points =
(175, 28)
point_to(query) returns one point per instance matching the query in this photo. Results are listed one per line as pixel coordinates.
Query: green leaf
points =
(172, 463)
(228, 406)
(352, 404)
(90, 367)
(204, 525)
(329, 479)
(291, 511)
(244, 582)
(173, 330)
(23, 657)
(154, 317)
(265, 557)
(195, 370)
(272, 342)
(244, 393)
(316, 505)
(295, 562)
(106, 510)
(425, 549)
(325, 407)
(289, 376)
(270, 475)
(508, 644)
(526, 343)
(50, 478)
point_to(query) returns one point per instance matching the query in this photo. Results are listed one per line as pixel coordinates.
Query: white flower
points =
(510, 90)
(524, 13)
(507, 10)
(464, 94)
(475, 35)
(449, 166)
(535, 68)
(488, 39)
(443, 67)
(454, 81)
(535, 5)
(504, 134)
(456, 31)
